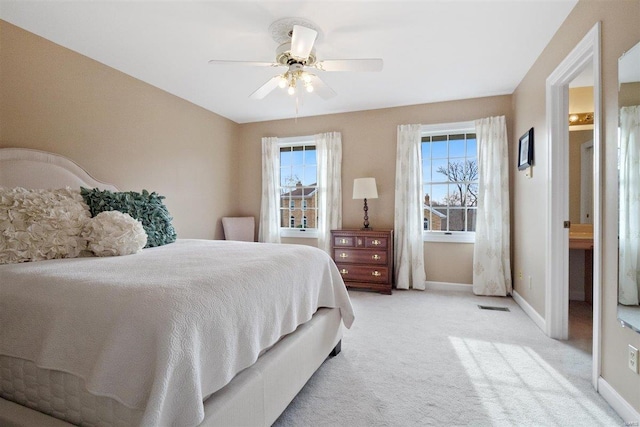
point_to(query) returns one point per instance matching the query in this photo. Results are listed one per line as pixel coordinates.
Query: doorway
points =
(580, 196)
(585, 54)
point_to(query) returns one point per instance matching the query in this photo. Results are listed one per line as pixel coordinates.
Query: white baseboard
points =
(530, 311)
(446, 286)
(621, 406)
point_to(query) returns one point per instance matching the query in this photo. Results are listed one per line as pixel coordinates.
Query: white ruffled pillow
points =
(113, 233)
(37, 225)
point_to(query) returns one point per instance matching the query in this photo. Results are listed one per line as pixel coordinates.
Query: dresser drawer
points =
(366, 273)
(344, 241)
(375, 242)
(355, 256)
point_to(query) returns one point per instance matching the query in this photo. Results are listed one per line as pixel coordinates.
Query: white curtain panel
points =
(269, 227)
(629, 275)
(491, 262)
(408, 223)
(329, 158)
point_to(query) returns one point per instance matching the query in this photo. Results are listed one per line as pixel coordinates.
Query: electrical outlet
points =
(520, 274)
(633, 359)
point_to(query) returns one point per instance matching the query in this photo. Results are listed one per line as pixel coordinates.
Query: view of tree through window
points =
(450, 182)
(298, 187)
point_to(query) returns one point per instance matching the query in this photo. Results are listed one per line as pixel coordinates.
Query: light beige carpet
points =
(434, 358)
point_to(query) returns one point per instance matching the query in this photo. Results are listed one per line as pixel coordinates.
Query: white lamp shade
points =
(365, 188)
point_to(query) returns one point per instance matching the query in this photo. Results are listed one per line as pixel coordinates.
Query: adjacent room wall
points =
(123, 131)
(580, 101)
(620, 31)
(576, 139)
(369, 149)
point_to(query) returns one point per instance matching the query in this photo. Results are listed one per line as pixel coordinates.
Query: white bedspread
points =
(162, 329)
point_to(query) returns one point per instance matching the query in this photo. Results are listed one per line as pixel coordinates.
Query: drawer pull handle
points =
(344, 241)
(375, 256)
(344, 271)
(376, 273)
(344, 255)
(376, 242)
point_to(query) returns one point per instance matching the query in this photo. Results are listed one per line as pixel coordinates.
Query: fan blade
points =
(302, 41)
(252, 63)
(321, 88)
(374, 64)
(266, 88)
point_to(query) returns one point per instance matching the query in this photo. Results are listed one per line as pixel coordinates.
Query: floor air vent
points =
(490, 307)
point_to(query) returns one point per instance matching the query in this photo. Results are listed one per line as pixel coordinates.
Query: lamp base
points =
(366, 217)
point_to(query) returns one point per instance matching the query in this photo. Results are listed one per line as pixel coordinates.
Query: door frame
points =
(557, 253)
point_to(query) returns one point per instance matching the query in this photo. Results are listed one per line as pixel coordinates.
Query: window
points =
(298, 187)
(450, 182)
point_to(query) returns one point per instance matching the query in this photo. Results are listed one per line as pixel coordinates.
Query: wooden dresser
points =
(364, 258)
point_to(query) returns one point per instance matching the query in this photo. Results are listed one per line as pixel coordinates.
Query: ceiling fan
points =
(296, 52)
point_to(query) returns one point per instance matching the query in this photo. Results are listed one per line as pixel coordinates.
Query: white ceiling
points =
(432, 50)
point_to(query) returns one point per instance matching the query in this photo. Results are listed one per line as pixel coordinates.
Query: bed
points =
(190, 333)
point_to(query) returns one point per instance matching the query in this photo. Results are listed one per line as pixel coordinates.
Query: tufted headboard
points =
(27, 168)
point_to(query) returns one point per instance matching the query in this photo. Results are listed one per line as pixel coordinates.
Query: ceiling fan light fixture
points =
(284, 56)
(296, 38)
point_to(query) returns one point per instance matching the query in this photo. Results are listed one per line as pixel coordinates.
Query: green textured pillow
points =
(145, 207)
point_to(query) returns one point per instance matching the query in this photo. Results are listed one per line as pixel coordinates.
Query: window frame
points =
(437, 130)
(310, 233)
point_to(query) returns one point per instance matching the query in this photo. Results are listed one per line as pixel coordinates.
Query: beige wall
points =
(136, 136)
(620, 31)
(122, 130)
(449, 262)
(369, 149)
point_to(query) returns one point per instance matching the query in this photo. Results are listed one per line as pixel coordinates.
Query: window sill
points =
(299, 233)
(453, 237)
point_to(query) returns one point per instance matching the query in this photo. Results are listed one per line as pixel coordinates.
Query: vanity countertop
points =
(581, 236)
